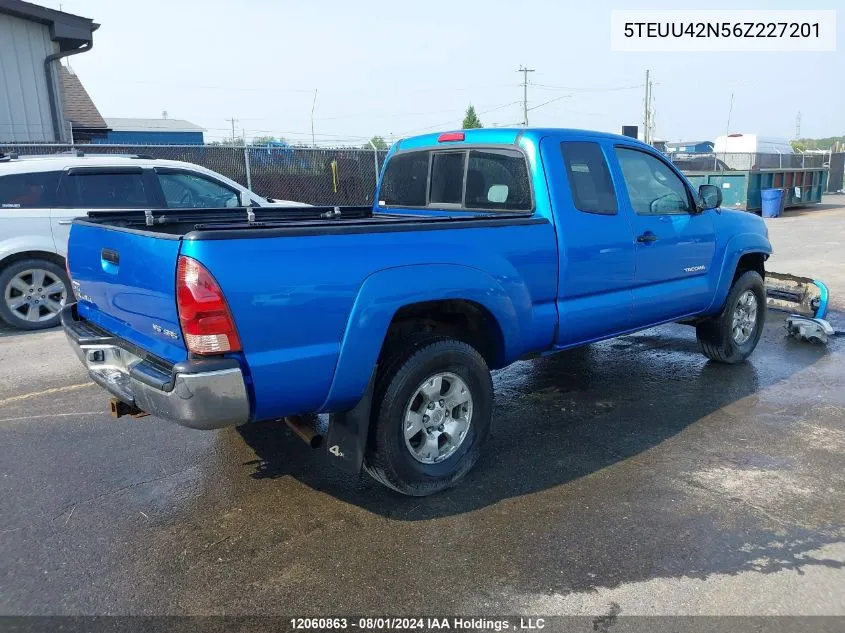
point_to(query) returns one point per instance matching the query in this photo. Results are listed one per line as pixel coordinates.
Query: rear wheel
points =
(731, 336)
(34, 292)
(431, 416)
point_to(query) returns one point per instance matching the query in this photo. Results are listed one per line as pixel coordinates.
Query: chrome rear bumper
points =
(201, 394)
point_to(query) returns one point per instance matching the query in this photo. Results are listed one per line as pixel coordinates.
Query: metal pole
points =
(525, 71)
(313, 105)
(246, 165)
(728, 127)
(645, 109)
(375, 159)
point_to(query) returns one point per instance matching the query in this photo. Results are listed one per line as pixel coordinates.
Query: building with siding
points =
(32, 40)
(152, 132)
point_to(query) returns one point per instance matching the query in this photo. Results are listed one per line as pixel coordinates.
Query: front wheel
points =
(433, 404)
(731, 336)
(34, 292)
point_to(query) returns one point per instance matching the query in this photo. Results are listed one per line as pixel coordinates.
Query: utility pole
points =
(233, 120)
(525, 72)
(646, 108)
(727, 131)
(313, 105)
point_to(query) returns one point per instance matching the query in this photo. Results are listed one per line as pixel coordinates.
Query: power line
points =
(548, 102)
(571, 89)
(438, 125)
(525, 71)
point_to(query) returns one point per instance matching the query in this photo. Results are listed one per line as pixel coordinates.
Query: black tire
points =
(17, 318)
(715, 335)
(388, 459)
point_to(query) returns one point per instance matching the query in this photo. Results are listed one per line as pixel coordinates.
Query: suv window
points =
(405, 181)
(497, 179)
(108, 190)
(192, 191)
(27, 191)
(653, 188)
(589, 177)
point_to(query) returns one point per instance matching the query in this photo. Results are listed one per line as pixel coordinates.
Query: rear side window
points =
(589, 177)
(497, 179)
(447, 177)
(191, 191)
(484, 179)
(29, 191)
(108, 191)
(405, 181)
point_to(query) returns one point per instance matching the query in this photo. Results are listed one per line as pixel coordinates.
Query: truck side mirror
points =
(709, 197)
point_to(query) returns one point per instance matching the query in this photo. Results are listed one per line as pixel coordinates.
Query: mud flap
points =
(346, 441)
(797, 295)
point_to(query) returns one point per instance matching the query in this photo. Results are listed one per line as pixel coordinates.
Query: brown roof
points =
(79, 108)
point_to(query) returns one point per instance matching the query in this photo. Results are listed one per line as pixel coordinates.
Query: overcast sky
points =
(399, 68)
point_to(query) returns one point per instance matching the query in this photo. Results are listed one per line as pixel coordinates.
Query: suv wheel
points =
(34, 291)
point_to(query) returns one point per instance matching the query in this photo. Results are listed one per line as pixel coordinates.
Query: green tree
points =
(228, 142)
(471, 120)
(378, 141)
(266, 140)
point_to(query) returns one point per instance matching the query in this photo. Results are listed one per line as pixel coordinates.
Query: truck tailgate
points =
(125, 282)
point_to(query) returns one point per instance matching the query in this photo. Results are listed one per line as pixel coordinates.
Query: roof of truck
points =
(508, 136)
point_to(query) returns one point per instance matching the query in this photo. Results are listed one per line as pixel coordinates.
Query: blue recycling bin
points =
(772, 207)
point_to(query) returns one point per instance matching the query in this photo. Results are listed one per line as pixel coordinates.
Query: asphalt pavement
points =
(630, 476)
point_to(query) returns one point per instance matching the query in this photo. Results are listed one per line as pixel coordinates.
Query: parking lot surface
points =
(630, 476)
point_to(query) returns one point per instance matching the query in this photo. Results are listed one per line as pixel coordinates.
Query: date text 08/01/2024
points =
(418, 624)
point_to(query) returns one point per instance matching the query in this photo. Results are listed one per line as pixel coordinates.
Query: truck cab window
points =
(447, 177)
(497, 179)
(192, 191)
(589, 177)
(28, 191)
(653, 188)
(108, 190)
(405, 181)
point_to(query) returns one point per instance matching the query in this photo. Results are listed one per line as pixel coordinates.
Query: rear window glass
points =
(405, 181)
(497, 179)
(589, 178)
(476, 179)
(27, 191)
(108, 191)
(447, 177)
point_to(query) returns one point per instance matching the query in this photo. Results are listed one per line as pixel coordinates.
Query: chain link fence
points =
(314, 176)
(346, 176)
(732, 161)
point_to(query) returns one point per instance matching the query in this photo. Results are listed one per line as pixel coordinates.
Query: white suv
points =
(40, 196)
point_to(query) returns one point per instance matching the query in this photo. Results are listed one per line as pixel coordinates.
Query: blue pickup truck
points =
(483, 247)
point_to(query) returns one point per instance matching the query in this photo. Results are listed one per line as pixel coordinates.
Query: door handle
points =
(65, 222)
(647, 238)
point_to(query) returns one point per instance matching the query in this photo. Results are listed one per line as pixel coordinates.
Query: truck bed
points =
(266, 222)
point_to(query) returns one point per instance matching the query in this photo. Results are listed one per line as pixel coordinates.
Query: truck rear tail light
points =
(450, 137)
(207, 324)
